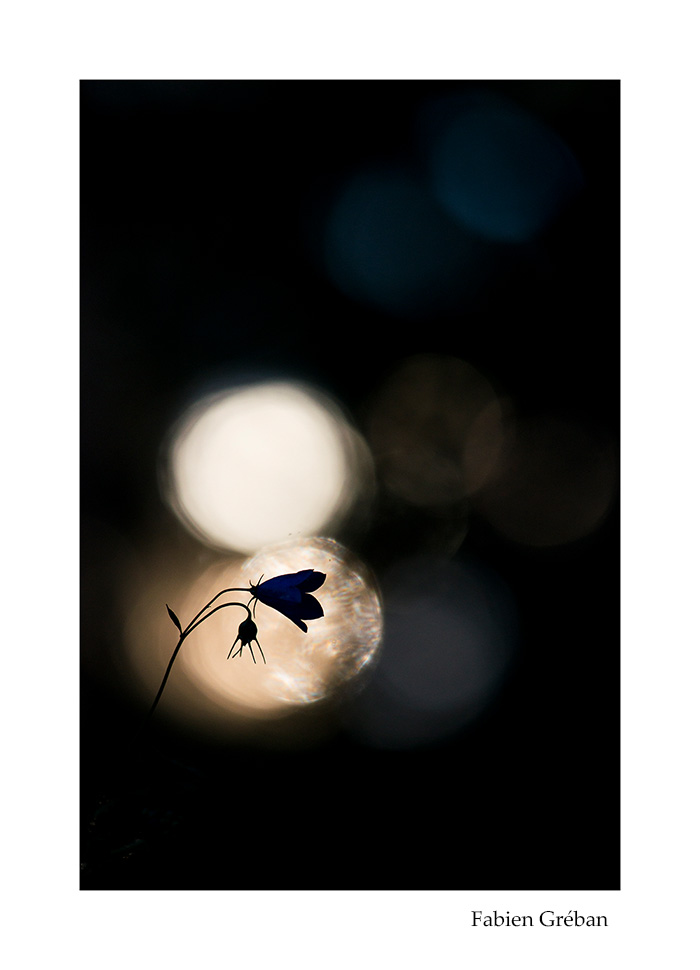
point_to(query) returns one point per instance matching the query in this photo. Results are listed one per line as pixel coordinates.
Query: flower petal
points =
(288, 588)
(313, 581)
(289, 595)
(310, 608)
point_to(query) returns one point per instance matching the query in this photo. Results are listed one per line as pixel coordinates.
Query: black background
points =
(190, 191)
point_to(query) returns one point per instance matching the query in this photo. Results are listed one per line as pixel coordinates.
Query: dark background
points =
(200, 206)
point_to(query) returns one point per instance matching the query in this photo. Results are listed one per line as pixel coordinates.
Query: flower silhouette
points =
(247, 634)
(291, 596)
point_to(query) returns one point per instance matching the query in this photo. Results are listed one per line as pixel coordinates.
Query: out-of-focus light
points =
(449, 637)
(554, 483)
(254, 465)
(388, 243)
(435, 430)
(497, 169)
(237, 697)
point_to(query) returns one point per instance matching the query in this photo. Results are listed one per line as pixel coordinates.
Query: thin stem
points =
(186, 632)
(231, 589)
(165, 678)
(221, 606)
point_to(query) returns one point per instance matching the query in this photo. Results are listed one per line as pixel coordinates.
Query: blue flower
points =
(291, 596)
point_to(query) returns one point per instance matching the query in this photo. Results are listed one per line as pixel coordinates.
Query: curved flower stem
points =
(186, 632)
(165, 678)
(221, 606)
(231, 589)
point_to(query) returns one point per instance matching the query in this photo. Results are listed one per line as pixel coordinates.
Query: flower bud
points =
(247, 631)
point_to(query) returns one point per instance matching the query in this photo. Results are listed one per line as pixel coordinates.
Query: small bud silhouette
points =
(247, 634)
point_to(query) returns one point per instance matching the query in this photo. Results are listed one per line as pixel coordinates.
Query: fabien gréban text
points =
(546, 918)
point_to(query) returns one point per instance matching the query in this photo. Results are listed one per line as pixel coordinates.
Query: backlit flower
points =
(291, 596)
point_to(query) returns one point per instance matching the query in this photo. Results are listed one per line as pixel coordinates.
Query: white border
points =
(46, 49)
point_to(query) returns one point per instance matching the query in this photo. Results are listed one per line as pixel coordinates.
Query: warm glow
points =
(230, 696)
(257, 464)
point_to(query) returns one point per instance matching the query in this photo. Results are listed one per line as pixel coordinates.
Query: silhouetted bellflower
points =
(289, 594)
